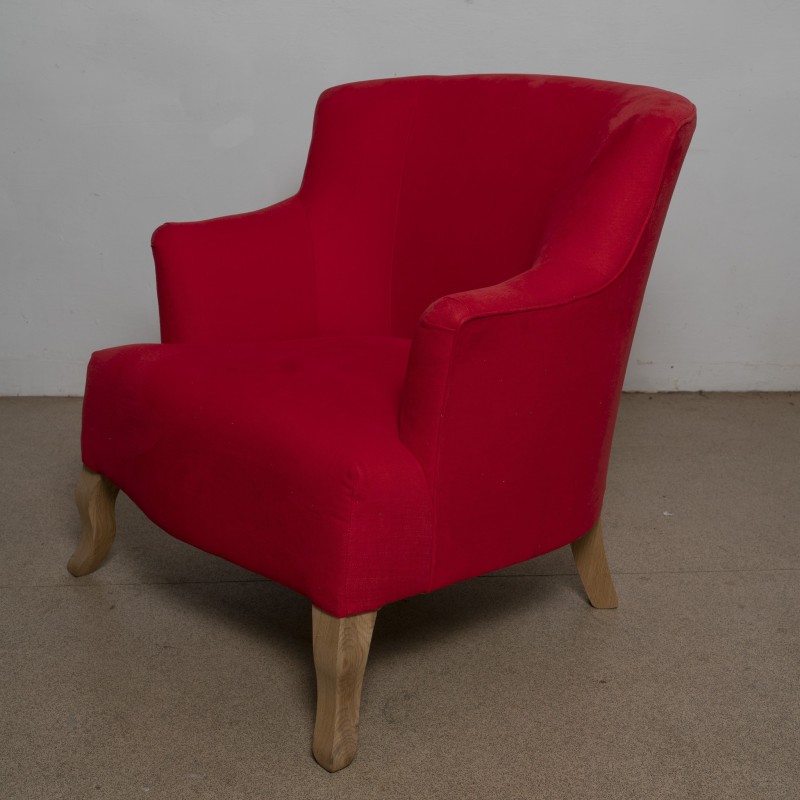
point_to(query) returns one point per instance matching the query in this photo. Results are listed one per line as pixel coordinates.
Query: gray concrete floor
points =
(172, 674)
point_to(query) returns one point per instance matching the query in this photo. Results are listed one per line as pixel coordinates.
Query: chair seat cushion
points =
(281, 457)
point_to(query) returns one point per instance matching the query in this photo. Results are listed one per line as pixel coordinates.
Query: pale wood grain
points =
(341, 648)
(590, 559)
(95, 497)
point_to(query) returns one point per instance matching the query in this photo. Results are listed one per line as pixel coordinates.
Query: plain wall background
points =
(116, 116)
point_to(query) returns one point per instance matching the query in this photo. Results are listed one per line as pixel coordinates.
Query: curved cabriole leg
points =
(95, 497)
(341, 647)
(590, 559)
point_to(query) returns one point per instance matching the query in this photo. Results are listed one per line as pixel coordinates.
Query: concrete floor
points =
(172, 674)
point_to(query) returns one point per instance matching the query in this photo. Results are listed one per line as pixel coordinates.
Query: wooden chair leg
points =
(590, 559)
(95, 497)
(341, 647)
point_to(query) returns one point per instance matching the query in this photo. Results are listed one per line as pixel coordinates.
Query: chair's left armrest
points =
(247, 277)
(570, 316)
(511, 391)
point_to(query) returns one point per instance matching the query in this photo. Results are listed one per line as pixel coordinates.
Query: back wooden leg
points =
(341, 647)
(95, 497)
(590, 559)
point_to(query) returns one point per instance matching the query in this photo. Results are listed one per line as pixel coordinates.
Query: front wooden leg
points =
(95, 497)
(590, 559)
(341, 647)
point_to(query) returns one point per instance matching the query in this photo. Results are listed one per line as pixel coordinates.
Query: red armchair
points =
(407, 374)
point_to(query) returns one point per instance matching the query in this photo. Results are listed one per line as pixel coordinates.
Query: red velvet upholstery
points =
(408, 373)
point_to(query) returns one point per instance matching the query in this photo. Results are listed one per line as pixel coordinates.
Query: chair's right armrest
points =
(247, 277)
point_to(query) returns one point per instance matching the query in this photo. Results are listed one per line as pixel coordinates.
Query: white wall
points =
(116, 116)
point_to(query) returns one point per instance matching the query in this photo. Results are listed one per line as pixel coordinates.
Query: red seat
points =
(408, 373)
(283, 457)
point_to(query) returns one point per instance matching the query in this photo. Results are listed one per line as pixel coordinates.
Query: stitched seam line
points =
(313, 260)
(401, 184)
(349, 539)
(437, 461)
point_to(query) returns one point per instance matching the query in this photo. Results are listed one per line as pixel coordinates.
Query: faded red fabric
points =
(408, 373)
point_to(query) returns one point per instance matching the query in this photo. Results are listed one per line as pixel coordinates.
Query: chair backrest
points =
(420, 187)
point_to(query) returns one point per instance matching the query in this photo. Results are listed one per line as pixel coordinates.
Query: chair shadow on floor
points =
(281, 618)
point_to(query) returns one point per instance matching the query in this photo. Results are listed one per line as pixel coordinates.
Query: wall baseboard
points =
(38, 376)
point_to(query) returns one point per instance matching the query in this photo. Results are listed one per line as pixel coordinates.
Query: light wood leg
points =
(341, 647)
(95, 497)
(590, 559)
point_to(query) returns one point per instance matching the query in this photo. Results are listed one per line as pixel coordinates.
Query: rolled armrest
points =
(247, 277)
(544, 286)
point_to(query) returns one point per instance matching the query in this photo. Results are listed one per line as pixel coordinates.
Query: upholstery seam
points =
(401, 185)
(349, 538)
(313, 260)
(625, 263)
(437, 463)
